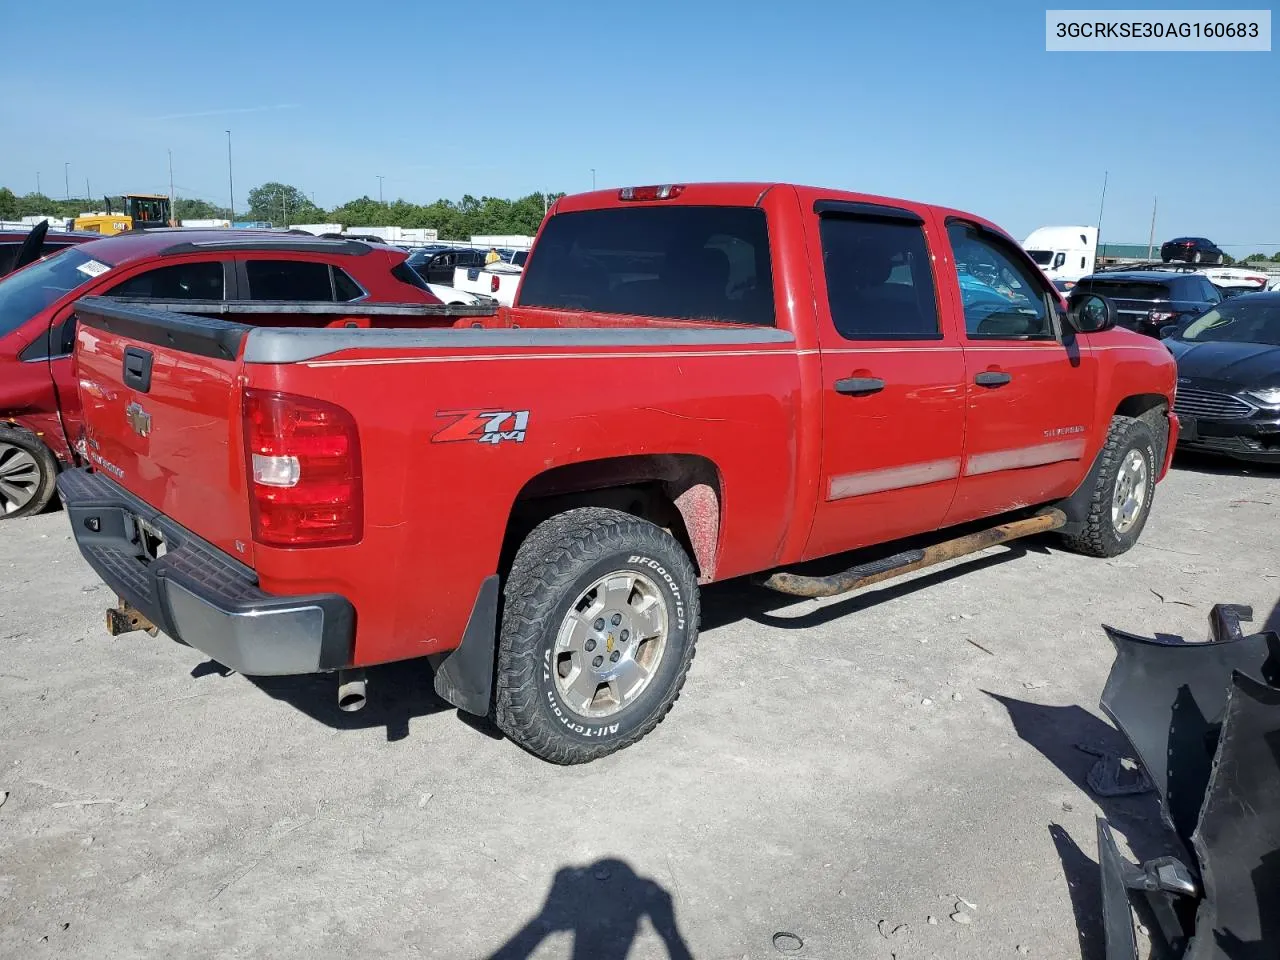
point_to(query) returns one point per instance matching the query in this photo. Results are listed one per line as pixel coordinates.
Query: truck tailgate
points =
(162, 414)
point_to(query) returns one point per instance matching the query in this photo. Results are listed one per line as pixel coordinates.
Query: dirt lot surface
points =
(846, 771)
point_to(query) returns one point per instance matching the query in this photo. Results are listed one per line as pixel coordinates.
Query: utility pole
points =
(38, 192)
(1101, 205)
(593, 178)
(231, 184)
(87, 194)
(379, 187)
(66, 178)
(284, 209)
(1151, 238)
(173, 201)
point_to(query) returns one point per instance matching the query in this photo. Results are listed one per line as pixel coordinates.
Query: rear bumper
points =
(199, 595)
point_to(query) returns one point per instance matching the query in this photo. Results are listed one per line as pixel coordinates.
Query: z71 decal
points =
(483, 426)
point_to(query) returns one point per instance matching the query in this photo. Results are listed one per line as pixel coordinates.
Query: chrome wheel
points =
(19, 478)
(610, 644)
(1130, 493)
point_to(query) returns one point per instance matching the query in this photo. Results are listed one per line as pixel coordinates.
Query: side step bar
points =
(865, 574)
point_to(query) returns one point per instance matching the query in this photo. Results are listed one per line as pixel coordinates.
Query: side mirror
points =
(1168, 330)
(1091, 313)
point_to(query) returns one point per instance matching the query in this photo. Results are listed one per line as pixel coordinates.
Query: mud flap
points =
(464, 677)
(1204, 720)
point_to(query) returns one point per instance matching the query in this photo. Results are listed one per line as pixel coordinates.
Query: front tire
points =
(1123, 489)
(598, 630)
(28, 473)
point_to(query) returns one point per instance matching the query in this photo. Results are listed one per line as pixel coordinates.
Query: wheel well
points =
(678, 492)
(1140, 404)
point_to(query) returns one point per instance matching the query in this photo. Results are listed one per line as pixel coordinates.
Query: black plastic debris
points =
(1204, 722)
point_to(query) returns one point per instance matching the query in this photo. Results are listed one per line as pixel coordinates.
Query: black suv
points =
(436, 265)
(1190, 249)
(1147, 300)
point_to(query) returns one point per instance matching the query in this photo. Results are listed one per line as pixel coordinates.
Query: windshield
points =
(27, 292)
(1237, 322)
(1042, 257)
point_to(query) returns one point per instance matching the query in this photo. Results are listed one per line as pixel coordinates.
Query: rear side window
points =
(684, 263)
(179, 281)
(879, 285)
(299, 280)
(1128, 289)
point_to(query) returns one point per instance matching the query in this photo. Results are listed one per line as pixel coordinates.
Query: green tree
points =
(192, 208)
(8, 204)
(1255, 256)
(282, 204)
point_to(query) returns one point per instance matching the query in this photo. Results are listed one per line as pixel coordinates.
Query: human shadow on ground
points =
(1058, 733)
(602, 906)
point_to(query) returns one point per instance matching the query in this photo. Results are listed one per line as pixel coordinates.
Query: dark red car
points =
(11, 243)
(39, 405)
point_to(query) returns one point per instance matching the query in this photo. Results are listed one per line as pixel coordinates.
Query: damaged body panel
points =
(1204, 721)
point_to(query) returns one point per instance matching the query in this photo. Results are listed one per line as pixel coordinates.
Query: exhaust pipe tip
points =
(352, 694)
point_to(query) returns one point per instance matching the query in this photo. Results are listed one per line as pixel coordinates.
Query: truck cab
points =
(1063, 253)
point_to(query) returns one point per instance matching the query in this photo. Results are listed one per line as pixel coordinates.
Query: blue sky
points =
(949, 102)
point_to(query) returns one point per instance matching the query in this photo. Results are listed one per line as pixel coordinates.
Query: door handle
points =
(859, 386)
(992, 378)
(137, 368)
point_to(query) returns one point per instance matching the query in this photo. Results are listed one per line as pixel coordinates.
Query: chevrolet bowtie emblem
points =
(138, 419)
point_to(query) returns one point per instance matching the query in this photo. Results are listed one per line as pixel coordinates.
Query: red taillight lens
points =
(493, 283)
(667, 191)
(303, 462)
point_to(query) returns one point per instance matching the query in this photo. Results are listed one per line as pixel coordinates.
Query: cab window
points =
(179, 281)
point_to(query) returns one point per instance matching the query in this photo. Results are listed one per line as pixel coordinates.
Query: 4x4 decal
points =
(483, 426)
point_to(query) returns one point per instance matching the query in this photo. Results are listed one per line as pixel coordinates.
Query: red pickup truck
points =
(695, 383)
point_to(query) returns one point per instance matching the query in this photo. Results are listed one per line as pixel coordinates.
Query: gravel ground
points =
(846, 771)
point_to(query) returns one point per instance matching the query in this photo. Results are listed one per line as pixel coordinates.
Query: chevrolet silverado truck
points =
(696, 383)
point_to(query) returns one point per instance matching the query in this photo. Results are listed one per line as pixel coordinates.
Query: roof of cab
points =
(162, 241)
(753, 193)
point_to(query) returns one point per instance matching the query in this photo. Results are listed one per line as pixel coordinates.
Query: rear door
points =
(892, 378)
(1029, 387)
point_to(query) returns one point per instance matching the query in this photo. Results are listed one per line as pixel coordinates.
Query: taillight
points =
(667, 191)
(303, 459)
(493, 283)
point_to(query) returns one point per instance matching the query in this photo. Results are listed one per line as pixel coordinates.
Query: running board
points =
(909, 561)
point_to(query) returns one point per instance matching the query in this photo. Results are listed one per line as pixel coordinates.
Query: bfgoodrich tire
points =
(1123, 489)
(28, 473)
(599, 624)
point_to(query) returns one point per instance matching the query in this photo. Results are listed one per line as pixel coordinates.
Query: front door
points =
(893, 379)
(1029, 381)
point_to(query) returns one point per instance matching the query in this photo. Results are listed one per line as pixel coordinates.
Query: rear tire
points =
(1122, 492)
(598, 630)
(1195, 257)
(28, 473)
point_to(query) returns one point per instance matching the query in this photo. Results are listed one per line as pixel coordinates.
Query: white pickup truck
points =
(497, 280)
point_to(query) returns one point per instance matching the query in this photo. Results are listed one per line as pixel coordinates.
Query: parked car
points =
(496, 280)
(1147, 300)
(453, 295)
(1228, 396)
(534, 500)
(1237, 278)
(39, 401)
(437, 266)
(11, 242)
(1190, 249)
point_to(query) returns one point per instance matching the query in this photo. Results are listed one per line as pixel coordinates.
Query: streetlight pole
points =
(173, 201)
(66, 177)
(38, 191)
(593, 178)
(379, 187)
(231, 184)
